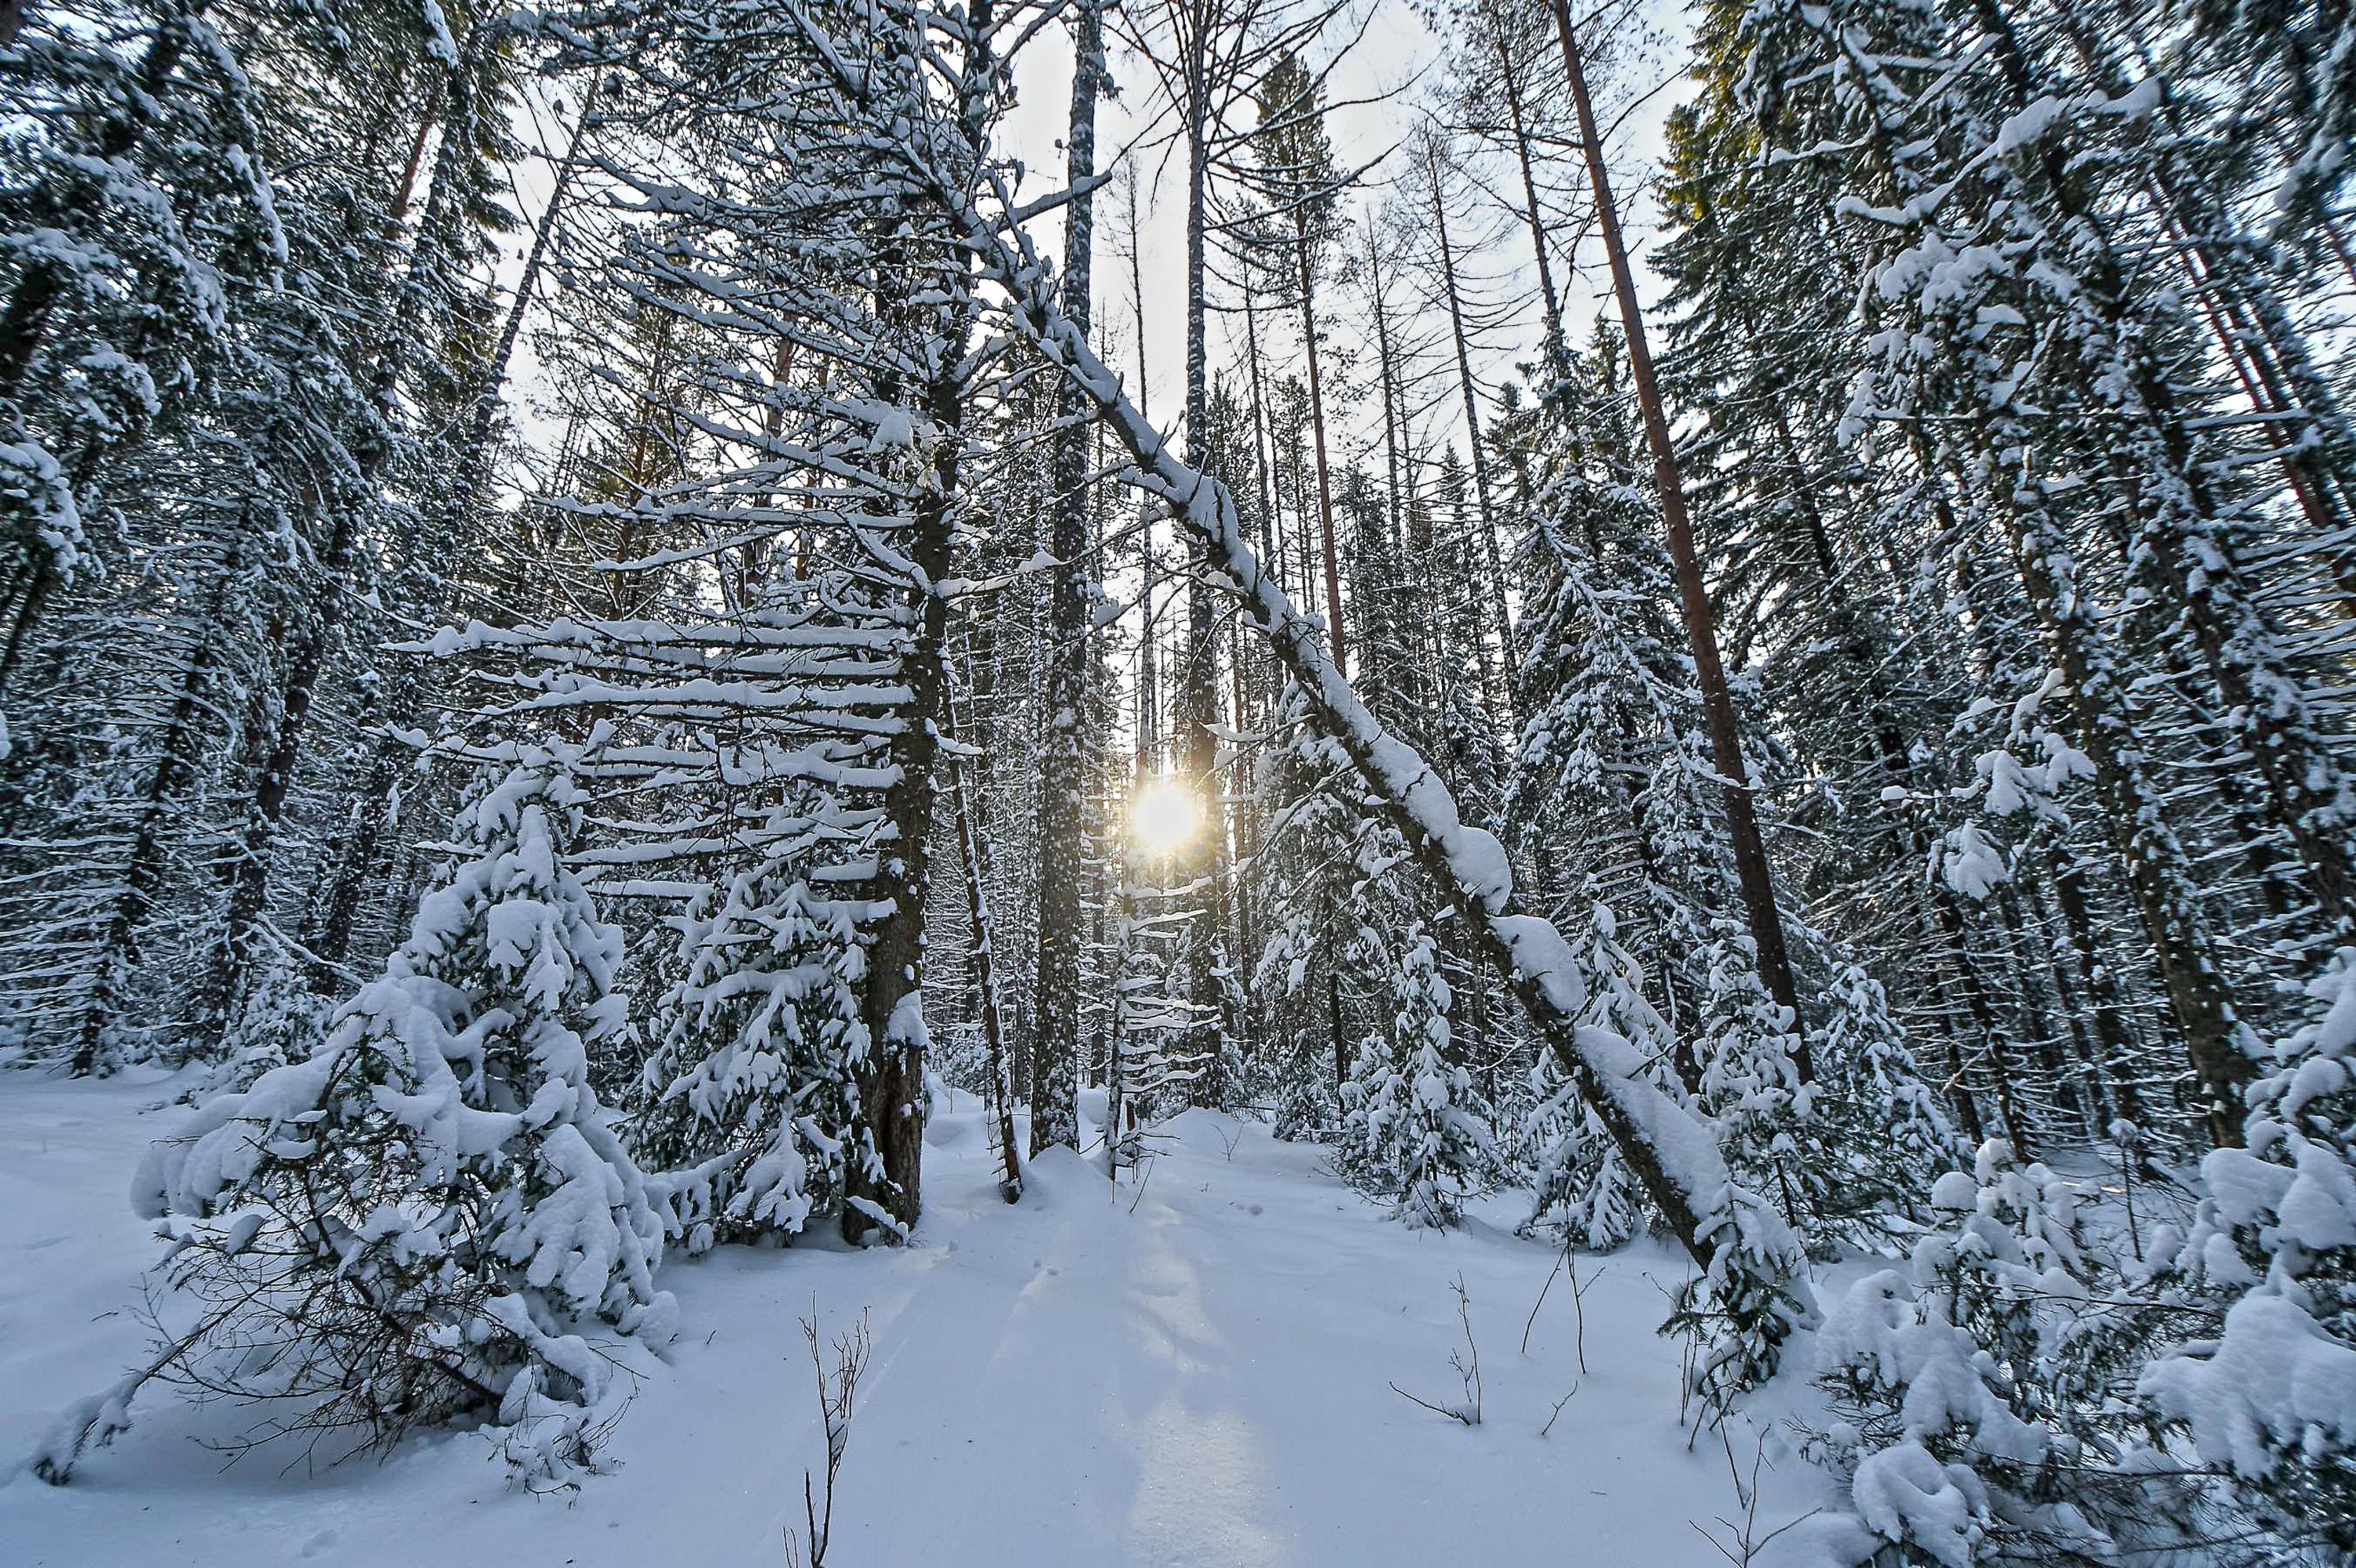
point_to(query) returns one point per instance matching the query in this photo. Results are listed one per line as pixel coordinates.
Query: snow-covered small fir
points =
(1413, 1132)
(2271, 1398)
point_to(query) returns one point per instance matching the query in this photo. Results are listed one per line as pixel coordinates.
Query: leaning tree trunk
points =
(1752, 1269)
(1753, 1266)
(1751, 869)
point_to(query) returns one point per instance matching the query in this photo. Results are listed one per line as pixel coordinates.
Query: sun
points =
(1162, 817)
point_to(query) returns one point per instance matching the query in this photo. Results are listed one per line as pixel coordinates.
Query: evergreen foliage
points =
(432, 1215)
(1412, 1130)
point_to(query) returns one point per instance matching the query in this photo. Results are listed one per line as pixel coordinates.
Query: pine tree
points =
(1056, 1050)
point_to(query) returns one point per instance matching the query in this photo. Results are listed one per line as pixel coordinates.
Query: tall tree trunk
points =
(889, 1197)
(1752, 869)
(891, 1078)
(1263, 438)
(1204, 860)
(1385, 372)
(175, 769)
(1317, 421)
(1479, 453)
(1064, 779)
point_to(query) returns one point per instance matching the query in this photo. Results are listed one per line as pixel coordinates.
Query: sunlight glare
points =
(1162, 817)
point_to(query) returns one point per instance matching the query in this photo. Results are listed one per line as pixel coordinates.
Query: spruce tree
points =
(1412, 1130)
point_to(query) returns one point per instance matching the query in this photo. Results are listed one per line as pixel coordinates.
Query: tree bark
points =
(1752, 869)
(1062, 796)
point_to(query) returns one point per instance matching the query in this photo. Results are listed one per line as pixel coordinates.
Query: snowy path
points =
(1199, 1380)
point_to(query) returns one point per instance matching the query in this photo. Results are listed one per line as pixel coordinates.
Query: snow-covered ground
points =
(1195, 1374)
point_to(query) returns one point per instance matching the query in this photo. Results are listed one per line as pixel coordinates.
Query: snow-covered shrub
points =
(2023, 1397)
(2270, 1399)
(1743, 1309)
(1955, 1443)
(428, 1217)
(1412, 1129)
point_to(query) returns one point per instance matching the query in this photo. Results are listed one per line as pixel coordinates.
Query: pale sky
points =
(1397, 50)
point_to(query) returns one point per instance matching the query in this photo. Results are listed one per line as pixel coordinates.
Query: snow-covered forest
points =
(839, 781)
